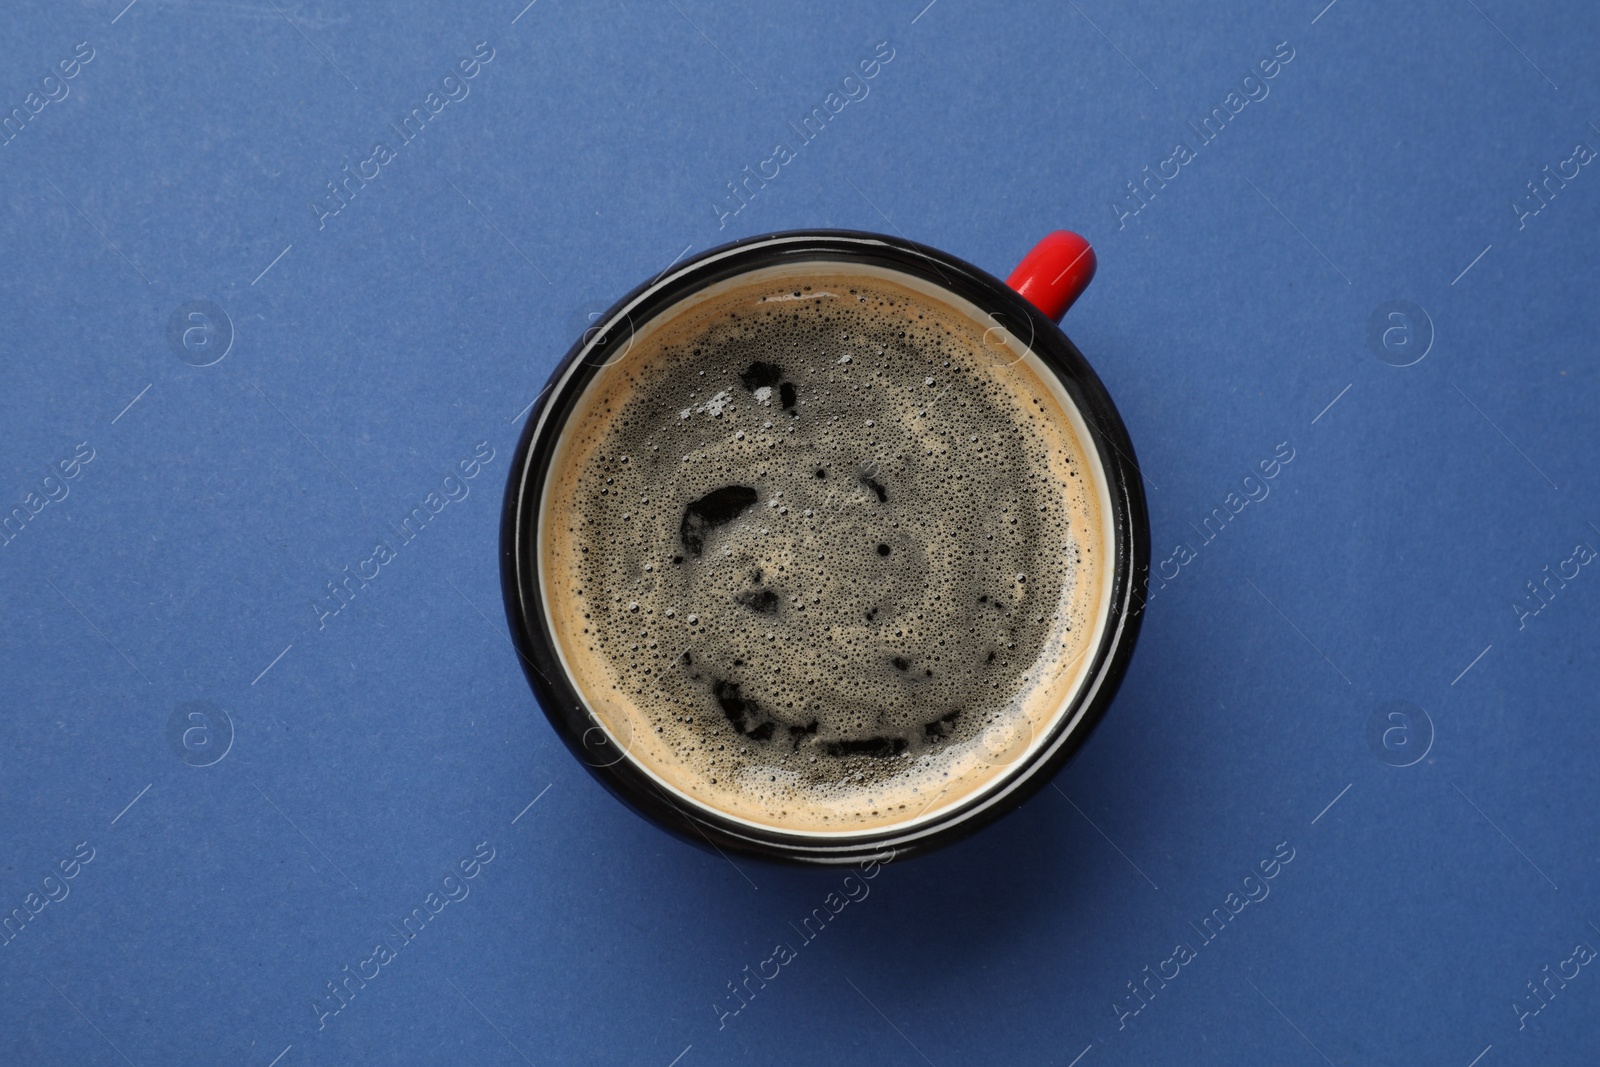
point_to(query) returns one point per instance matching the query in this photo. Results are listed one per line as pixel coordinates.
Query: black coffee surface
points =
(824, 550)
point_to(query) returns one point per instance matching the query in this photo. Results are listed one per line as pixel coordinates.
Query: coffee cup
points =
(826, 544)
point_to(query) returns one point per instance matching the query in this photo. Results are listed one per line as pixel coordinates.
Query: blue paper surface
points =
(1350, 772)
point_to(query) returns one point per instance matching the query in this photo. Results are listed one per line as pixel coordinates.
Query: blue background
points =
(370, 354)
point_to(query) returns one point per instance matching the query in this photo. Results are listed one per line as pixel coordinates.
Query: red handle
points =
(1055, 273)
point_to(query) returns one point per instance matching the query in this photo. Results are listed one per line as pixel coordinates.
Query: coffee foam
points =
(827, 551)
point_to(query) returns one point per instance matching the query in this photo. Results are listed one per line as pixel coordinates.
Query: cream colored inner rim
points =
(984, 763)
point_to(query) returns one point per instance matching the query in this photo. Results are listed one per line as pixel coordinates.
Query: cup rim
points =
(564, 706)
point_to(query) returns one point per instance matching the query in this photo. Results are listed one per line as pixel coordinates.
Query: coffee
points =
(824, 549)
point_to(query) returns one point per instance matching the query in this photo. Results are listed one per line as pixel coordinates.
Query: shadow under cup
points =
(1022, 755)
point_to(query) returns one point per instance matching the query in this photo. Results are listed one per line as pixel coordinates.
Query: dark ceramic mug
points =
(1026, 309)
